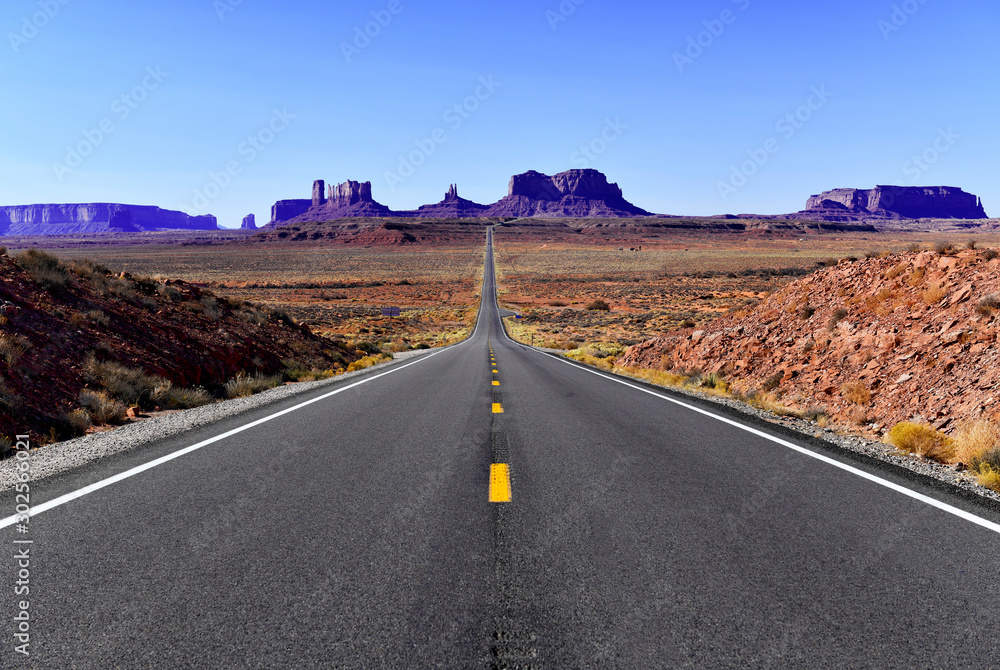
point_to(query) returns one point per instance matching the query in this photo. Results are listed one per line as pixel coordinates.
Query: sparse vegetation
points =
(975, 438)
(47, 271)
(129, 385)
(598, 304)
(368, 361)
(12, 347)
(244, 385)
(835, 318)
(934, 294)
(856, 392)
(103, 408)
(943, 247)
(922, 440)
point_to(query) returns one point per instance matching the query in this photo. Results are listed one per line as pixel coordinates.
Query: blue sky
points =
(224, 106)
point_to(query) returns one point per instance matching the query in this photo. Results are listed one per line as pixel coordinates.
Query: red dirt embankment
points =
(873, 341)
(54, 317)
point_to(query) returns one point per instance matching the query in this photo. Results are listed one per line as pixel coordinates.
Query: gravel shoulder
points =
(63, 456)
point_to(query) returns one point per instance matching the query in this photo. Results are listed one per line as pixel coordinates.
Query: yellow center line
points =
(499, 483)
(496, 383)
(497, 408)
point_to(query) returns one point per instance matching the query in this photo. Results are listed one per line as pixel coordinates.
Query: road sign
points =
(390, 311)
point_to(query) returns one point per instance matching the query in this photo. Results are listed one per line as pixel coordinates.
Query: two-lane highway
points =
(485, 506)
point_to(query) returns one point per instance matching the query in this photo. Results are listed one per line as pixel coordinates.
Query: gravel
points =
(62, 456)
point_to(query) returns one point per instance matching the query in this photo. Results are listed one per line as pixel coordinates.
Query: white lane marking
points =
(96, 486)
(962, 514)
(945, 507)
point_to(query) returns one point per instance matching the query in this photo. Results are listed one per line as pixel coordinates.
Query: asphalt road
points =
(357, 531)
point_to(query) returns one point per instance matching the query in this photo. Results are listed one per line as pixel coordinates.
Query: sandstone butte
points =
(877, 321)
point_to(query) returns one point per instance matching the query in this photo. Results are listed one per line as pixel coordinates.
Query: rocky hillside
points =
(74, 337)
(873, 341)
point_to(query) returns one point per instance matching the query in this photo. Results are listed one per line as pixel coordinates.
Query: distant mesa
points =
(894, 202)
(249, 223)
(98, 217)
(574, 193)
(453, 207)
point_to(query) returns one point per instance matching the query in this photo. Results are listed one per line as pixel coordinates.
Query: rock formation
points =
(895, 202)
(452, 207)
(96, 218)
(348, 199)
(318, 199)
(249, 222)
(574, 193)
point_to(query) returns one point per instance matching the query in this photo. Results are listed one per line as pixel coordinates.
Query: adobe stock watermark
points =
(588, 153)
(363, 36)
(22, 547)
(249, 149)
(714, 28)
(455, 116)
(787, 127)
(561, 14)
(901, 15)
(121, 108)
(223, 7)
(919, 164)
(31, 26)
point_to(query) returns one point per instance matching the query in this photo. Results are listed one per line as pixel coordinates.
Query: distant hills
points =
(573, 194)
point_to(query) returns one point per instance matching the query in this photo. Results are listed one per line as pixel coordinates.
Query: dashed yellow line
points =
(496, 383)
(497, 408)
(499, 483)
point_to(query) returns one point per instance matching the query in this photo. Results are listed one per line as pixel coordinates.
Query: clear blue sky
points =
(895, 80)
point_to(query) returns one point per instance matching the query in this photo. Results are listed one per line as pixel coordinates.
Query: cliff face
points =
(349, 199)
(907, 202)
(96, 218)
(574, 193)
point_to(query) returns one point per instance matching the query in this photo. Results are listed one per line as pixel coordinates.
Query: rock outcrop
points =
(349, 199)
(453, 207)
(97, 217)
(249, 223)
(574, 193)
(917, 331)
(895, 202)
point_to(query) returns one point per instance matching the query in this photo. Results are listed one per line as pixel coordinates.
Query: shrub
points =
(896, 271)
(917, 276)
(599, 304)
(835, 318)
(921, 440)
(46, 270)
(78, 421)
(817, 414)
(12, 347)
(991, 254)
(855, 391)
(806, 312)
(166, 396)
(934, 294)
(975, 438)
(557, 303)
(943, 247)
(130, 385)
(686, 323)
(914, 248)
(990, 478)
(8, 399)
(368, 361)
(987, 304)
(103, 409)
(772, 382)
(243, 385)
(971, 244)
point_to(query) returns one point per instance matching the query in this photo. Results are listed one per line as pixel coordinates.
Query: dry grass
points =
(856, 392)
(917, 276)
(975, 438)
(368, 361)
(103, 408)
(922, 440)
(12, 347)
(244, 385)
(897, 270)
(934, 294)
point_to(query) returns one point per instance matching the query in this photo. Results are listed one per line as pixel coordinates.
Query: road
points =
(353, 527)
